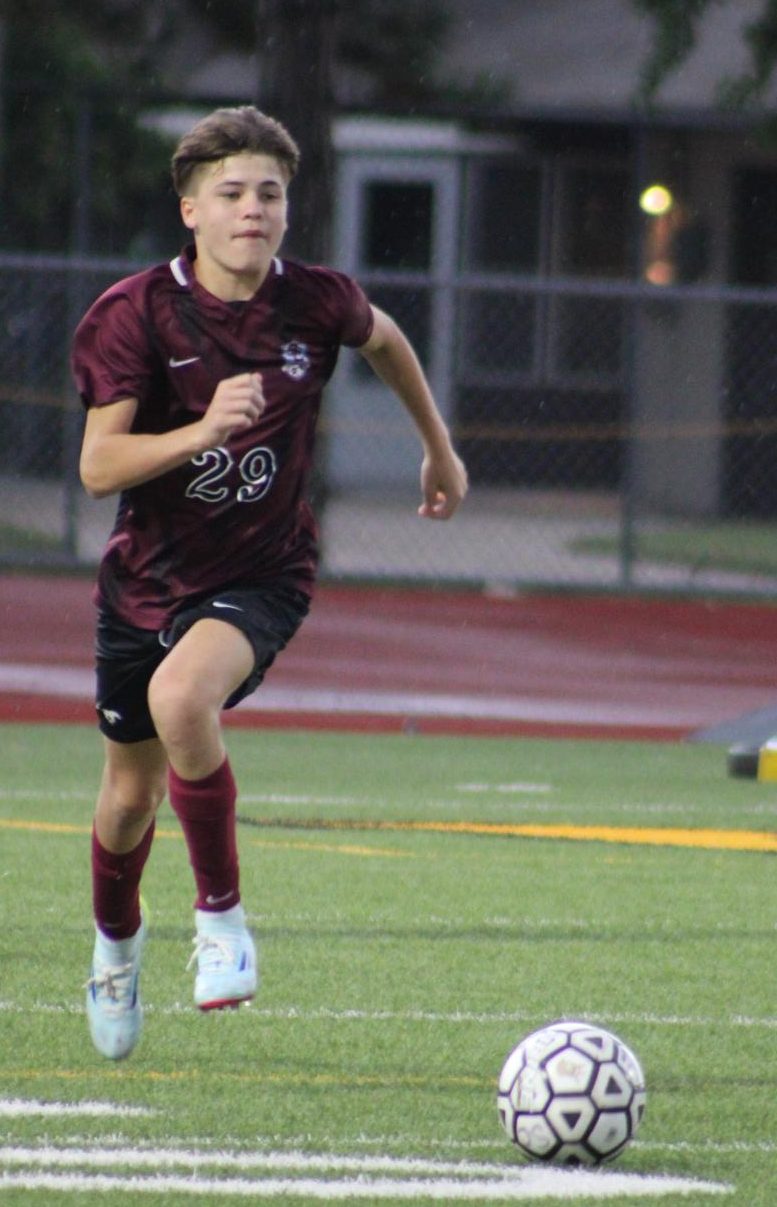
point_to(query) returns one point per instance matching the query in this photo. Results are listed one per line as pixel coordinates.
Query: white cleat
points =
(113, 1006)
(226, 960)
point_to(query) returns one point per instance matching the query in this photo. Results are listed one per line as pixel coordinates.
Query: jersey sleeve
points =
(112, 358)
(347, 306)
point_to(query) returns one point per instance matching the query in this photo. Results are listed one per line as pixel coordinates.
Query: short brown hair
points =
(244, 129)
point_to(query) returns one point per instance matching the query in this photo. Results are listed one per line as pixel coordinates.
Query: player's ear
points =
(187, 213)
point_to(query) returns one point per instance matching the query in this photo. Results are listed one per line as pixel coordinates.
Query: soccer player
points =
(202, 381)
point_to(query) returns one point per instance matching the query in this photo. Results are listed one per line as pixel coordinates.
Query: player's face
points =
(237, 210)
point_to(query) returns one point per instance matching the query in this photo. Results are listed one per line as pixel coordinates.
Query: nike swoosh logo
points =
(220, 603)
(177, 364)
(211, 900)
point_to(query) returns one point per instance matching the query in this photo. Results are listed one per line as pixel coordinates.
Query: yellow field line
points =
(665, 836)
(331, 848)
(58, 827)
(260, 1077)
(61, 827)
(718, 840)
(47, 827)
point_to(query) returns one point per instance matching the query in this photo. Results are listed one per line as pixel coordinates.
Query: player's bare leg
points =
(188, 690)
(133, 785)
(186, 695)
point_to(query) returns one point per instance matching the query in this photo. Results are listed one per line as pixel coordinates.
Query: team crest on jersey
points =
(296, 360)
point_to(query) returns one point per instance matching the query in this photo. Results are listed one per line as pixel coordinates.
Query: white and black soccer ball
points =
(571, 1093)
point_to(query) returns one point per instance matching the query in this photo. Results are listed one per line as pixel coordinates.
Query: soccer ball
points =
(571, 1093)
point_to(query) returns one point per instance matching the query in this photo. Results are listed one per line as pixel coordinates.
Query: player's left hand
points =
(443, 485)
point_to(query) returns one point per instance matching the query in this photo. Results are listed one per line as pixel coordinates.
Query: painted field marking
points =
(726, 840)
(718, 1147)
(505, 789)
(544, 1184)
(667, 836)
(192, 1075)
(62, 827)
(45, 794)
(152, 1157)
(382, 1143)
(250, 798)
(49, 1168)
(46, 827)
(330, 848)
(744, 808)
(455, 1018)
(295, 798)
(23, 1108)
(281, 1145)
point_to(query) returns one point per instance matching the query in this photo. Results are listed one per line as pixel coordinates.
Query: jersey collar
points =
(182, 269)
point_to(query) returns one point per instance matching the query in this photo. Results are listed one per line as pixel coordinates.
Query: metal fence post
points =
(627, 544)
(81, 202)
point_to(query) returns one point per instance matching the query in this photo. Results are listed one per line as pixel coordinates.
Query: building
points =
(553, 312)
(574, 339)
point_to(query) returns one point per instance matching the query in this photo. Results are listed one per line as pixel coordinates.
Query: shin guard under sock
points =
(116, 886)
(206, 811)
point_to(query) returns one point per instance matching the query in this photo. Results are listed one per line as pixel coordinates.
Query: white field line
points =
(499, 1018)
(45, 794)
(508, 801)
(456, 1017)
(504, 789)
(278, 1150)
(548, 1184)
(246, 798)
(450, 1144)
(15, 1108)
(443, 1181)
(150, 1157)
(712, 1147)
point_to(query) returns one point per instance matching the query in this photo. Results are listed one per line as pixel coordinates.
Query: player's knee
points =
(176, 709)
(131, 801)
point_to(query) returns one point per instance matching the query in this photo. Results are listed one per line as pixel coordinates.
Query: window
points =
(754, 253)
(504, 215)
(554, 218)
(398, 225)
(503, 234)
(593, 222)
(592, 238)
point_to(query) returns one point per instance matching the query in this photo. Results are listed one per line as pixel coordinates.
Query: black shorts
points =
(126, 657)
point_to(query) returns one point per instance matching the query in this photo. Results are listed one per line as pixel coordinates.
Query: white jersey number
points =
(257, 468)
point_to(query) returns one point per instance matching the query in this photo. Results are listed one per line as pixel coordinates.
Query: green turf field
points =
(399, 967)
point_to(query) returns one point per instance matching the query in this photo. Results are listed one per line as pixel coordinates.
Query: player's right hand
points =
(237, 404)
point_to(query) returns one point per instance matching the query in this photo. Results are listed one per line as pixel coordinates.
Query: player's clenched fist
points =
(443, 485)
(237, 404)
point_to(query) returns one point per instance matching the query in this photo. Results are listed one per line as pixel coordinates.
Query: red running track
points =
(390, 659)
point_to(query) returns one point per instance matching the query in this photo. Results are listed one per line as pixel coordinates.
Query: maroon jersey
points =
(234, 515)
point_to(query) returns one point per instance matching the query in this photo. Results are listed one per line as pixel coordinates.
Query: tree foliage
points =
(677, 24)
(73, 90)
(79, 169)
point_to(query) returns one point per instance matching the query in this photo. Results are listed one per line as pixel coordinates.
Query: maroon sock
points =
(206, 811)
(116, 886)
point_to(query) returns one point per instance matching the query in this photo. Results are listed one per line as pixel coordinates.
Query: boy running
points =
(202, 380)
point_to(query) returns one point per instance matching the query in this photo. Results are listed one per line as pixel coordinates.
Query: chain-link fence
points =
(616, 435)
